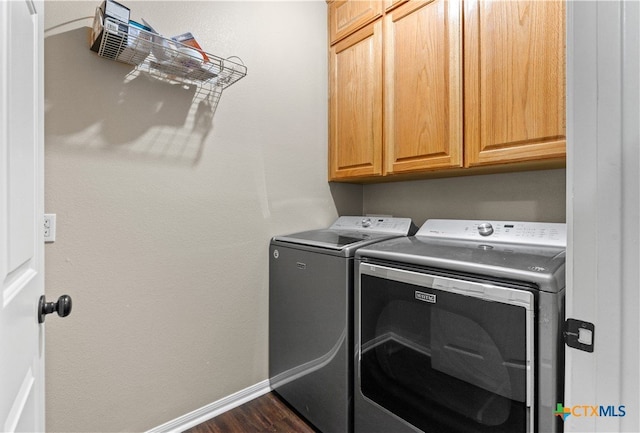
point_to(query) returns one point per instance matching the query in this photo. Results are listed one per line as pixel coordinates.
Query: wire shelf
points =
(165, 58)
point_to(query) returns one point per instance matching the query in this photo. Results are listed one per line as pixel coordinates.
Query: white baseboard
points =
(211, 410)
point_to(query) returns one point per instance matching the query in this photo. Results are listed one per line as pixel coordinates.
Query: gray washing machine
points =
(311, 316)
(459, 329)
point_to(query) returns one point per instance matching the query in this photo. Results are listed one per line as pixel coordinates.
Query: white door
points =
(603, 196)
(21, 216)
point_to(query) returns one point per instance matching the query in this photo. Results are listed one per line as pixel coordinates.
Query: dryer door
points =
(446, 355)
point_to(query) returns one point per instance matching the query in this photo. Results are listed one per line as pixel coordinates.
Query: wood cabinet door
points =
(355, 108)
(390, 4)
(423, 86)
(346, 16)
(514, 81)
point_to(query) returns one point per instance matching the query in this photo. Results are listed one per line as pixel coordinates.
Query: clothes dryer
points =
(458, 329)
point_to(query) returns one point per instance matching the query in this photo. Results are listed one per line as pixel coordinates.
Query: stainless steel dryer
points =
(458, 329)
(311, 316)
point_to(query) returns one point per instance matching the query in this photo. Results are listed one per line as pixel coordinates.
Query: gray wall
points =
(526, 196)
(163, 226)
(164, 223)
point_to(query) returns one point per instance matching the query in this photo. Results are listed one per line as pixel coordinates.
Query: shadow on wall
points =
(347, 198)
(98, 105)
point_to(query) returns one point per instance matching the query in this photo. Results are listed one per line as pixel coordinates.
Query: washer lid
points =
(331, 239)
(352, 231)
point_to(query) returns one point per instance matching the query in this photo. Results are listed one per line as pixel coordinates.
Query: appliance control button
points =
(485, 229)
(366, 222)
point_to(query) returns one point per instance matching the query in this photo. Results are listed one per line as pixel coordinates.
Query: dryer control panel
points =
(510, 232)
(379, 224)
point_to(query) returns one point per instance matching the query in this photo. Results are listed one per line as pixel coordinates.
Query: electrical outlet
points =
(49, 227)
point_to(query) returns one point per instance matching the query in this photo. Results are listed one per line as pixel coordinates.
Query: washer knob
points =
(485, 229)
(366, 222)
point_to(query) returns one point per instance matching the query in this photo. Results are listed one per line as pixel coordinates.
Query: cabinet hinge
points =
(579, 334)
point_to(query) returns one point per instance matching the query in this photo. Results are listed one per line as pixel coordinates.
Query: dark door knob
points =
(62, 306)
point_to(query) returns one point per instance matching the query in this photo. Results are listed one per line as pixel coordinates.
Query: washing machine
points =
(459, 329)
(311, 316)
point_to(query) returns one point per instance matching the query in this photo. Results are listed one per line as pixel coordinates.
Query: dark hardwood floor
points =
(263, 414)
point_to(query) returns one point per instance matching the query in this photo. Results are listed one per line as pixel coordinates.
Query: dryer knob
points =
(485, 229)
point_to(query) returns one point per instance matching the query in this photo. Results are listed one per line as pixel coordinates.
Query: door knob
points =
(62, 306)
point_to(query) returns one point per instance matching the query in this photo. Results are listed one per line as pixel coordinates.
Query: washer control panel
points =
(513, 232)
(403, 226)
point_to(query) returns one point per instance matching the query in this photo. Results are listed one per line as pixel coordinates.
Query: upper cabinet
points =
(347, 16)
(434, 106)
(423, 86)
(355, 104)
(390, 4)
(514, 81)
